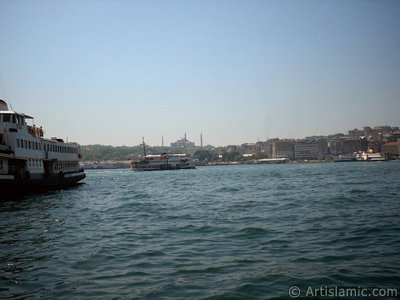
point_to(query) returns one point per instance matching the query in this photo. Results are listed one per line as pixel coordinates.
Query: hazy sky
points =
(111, 72)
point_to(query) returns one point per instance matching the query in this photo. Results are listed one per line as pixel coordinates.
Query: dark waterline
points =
(235, 232)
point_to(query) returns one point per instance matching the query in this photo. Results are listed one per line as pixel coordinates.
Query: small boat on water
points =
(28, 161)
(163, 161)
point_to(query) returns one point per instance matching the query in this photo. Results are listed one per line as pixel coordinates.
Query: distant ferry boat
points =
(163, 161)
(30, 162)
(371, 157)
(364, 156)
(346, 158)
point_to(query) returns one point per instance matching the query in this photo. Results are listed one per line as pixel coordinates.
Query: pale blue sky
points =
(111, 72)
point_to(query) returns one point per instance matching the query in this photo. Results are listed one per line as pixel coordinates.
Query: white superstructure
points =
(28, 159)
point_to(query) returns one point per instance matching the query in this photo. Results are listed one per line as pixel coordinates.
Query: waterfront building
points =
(351, 145)
(395, 136)
(356, 133)
(367, 130)
(310, 149)
(283, 149)
(335, 146)
(249, 148)
(266, 147)
(391, 149)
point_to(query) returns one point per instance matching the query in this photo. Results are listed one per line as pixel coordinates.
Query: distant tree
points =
(206, 155)
(231, 156)
(260, 155)
(102, 152)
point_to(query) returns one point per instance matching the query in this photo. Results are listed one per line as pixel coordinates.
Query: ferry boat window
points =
(1, 139)
(14, 119)
(6, 118)
(17, 142)
(25, 144)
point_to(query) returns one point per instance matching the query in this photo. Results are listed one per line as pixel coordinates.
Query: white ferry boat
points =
(369, 156)
(28, 161)
(360, 157)
(163, 161)
(346, 158)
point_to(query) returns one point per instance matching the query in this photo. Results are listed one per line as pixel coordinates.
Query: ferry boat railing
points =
(5, 149)
(36, 132)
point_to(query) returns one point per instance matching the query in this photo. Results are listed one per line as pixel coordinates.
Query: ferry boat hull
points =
(9, 184)
(161, 168)
(345, 158)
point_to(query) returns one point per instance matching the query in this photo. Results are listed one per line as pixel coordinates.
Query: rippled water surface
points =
(234, 232)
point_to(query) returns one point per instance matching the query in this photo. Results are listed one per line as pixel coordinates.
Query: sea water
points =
(231, 232)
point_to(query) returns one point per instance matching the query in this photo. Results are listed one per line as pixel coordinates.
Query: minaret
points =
(162, 141)
(144, 147)
(201, 140)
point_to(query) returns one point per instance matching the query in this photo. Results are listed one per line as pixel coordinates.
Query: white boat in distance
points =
(360, 157)
(163, 161)
(372, 157)
(28, 161)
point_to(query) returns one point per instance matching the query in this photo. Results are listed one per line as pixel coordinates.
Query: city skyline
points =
(198, 143)
(110, 73)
